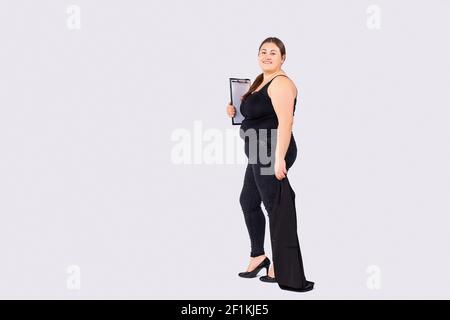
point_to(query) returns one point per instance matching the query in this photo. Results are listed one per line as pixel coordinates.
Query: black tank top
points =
(260, 114)
(258, 109)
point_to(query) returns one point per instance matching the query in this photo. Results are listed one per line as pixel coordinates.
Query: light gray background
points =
(86, 176)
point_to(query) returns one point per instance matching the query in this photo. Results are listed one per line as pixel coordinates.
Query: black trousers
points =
(260, 188)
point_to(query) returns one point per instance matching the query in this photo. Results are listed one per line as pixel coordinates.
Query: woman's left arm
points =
(282, 93)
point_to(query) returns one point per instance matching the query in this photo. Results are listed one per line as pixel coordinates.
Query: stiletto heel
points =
(252, 274)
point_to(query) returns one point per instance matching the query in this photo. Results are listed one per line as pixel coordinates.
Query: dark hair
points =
(259, 79)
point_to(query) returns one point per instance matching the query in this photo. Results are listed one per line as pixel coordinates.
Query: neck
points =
(269, 75)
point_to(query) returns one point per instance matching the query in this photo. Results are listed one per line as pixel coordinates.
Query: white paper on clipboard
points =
(238, 87)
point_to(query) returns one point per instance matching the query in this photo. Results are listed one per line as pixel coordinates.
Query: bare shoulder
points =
(282, 85)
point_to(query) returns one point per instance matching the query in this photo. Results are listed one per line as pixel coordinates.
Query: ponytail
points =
(258, 80)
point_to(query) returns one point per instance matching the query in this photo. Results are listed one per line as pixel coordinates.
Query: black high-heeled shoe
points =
(251, 274)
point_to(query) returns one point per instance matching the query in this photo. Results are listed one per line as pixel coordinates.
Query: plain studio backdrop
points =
(92, 94)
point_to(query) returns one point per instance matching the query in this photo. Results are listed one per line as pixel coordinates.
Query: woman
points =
(268, 108)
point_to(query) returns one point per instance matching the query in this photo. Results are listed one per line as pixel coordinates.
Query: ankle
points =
(260, 257)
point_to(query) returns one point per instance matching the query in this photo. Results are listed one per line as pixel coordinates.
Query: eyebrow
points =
(270, 50)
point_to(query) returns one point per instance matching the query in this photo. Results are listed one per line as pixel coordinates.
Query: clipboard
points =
(238, 87)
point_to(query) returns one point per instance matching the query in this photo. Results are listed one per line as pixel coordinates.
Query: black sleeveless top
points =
(259, 113)
(258, 109)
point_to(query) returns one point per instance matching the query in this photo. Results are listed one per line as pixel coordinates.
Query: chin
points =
(267, 68)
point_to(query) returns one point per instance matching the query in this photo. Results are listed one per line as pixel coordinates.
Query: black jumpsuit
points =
(259, 186)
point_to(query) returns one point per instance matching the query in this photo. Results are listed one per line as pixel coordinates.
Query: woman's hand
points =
(280, 168)
(231, 110)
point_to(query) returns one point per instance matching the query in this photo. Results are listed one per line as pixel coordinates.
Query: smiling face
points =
(269, 57)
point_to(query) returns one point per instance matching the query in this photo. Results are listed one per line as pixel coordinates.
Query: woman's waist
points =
(268, 121)
(263, 135)
(268, 145)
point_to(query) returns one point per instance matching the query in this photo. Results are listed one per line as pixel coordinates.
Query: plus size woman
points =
(268, 108)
